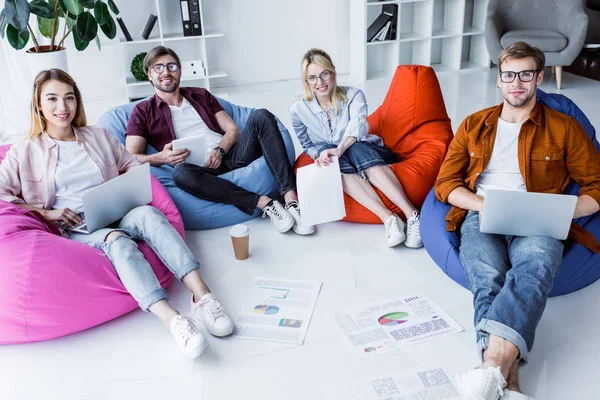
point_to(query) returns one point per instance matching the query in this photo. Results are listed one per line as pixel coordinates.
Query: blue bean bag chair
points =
(198, 213)
(580, 267)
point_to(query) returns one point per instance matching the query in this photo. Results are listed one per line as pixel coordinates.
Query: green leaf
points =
(41, 9)
(98, 43)
(17, 39)
(87, 27)
(101, 12)
(17, 14)
(113, 7)
(87, 3)
(79, 44)
(3, 23)
(45, 26)
(71, 23)
(109, 28)
(72, 6)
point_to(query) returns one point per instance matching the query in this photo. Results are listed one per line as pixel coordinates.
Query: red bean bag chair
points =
(413, 123)
(51, 286)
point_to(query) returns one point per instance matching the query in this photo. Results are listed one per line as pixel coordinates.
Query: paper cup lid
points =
(239, 230)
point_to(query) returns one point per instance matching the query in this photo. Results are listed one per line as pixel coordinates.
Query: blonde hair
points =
(520, 50)
(38, 121)
(320, 57)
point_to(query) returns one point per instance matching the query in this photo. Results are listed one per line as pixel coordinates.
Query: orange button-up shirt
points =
(553, 148)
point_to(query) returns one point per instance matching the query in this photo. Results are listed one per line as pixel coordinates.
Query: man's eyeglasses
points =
(325, 77)
(171, 67)
(524, 76)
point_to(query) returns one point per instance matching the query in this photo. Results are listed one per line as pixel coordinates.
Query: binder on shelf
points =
(185, 18)
(391, 35)
(195, 17)
(192, 69)
(124, 29)
(388, 12)
(149, 26)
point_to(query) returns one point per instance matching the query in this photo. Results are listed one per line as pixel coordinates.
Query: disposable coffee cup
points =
(240, 238)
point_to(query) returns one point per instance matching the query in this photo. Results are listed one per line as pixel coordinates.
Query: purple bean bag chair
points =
(51, 286)
(580, 267)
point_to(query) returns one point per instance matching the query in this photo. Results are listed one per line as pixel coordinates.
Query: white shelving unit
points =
(445, 34)
(168, 31)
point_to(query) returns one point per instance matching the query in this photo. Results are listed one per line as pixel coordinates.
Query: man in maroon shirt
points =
(174, 113)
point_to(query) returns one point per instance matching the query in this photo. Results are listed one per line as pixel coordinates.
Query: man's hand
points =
(325, 159)
(213, 160)
(65, 215)
(173, 157)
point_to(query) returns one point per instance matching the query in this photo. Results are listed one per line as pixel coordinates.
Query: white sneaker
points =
(294, 209)
(281, 219)
(394, 230)
(413, 231)
(480, 384)
(189, 340)
(211, 313)
(513, 395)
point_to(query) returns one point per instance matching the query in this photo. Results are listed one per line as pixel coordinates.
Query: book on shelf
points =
(149, 26)
(389, 14)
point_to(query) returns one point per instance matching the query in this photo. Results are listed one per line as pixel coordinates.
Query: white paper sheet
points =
(433, 383)
(388, 325)
(386, 269)
(277, 310)
(320, 193)
(335, 269)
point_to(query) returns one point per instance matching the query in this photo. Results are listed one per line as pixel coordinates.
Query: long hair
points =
(38, 121)
(320, 57)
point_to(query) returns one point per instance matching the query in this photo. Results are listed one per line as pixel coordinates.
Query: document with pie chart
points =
(387, 325)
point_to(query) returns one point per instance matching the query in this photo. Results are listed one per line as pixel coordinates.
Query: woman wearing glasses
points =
(62, 158)
(331, 121)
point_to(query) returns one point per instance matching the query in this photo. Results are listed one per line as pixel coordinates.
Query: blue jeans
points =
(510, 277)
(362, 156)
(150, 225)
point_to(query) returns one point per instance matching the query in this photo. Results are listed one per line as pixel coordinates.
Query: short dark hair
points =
(157, 52)
(521, 50)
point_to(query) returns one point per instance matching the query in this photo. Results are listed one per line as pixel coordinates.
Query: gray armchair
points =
(557, 27)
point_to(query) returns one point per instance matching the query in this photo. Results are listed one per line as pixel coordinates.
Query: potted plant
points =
(81, 18)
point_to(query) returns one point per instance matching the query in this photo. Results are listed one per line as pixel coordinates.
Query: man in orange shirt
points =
(517, 145)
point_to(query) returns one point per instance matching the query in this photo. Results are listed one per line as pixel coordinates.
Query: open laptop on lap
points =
(110, 201)
(519, 213)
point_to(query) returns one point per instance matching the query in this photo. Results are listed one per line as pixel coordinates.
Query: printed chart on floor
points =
(277, 310)
(414, 384)
(388, 325)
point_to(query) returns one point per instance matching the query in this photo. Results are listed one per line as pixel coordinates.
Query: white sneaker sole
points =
(396, 242)
(196, 352)
(303, 231)
(286, 227)
(220, 334)
(413, 245)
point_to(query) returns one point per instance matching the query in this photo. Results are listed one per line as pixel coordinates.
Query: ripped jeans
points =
(147, 224)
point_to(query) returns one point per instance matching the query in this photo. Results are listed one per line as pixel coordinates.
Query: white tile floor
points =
(134, 357)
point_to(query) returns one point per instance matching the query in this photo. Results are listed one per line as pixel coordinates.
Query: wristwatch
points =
(220, 151)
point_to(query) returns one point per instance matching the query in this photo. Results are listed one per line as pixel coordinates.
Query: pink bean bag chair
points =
(51, 286)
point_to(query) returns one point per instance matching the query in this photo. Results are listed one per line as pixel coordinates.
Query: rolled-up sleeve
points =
(358, 126)
(302, 133)
(454, 167)
(583, 161)
(10, 184)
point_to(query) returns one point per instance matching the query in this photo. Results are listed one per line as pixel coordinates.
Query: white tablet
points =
(196, 145)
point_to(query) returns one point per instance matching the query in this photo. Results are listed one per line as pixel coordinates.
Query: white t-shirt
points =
(187, 122)
(75, 173)
(502, 172)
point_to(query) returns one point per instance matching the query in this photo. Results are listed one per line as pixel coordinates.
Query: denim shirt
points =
(312, 127)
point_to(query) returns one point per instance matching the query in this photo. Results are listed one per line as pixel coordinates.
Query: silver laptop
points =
(516, 213)
(110, 201)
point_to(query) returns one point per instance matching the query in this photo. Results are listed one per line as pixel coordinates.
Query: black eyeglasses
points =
(325, 77)
(524, 76)
(171, 67)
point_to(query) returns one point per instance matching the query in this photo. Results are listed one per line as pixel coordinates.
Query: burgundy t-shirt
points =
(151, 118)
